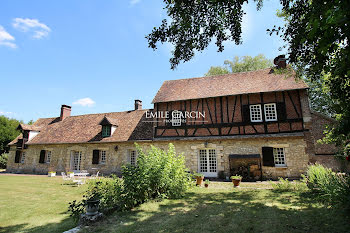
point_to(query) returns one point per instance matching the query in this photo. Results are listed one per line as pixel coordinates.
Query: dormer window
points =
(109, 125)
(106, 130)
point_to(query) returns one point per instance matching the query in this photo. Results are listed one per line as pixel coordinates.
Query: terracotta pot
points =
(199, 180)
(206, 185)
(236, 182)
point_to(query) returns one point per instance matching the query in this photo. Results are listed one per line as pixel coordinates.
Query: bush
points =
(158, 174)
(329, 186)
(3, 160)
(107, 190)
(284, 185)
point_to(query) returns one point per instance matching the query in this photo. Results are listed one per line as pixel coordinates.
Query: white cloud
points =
(6, 39)
(40, 30)
(6, 113)
(134, 2)
(84, 102)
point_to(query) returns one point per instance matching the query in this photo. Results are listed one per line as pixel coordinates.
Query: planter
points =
(206, 185)
(199, 180)
(92, 207)
(51, 174)
(236, 182)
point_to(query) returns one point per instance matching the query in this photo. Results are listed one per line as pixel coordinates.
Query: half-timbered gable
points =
(257, 102)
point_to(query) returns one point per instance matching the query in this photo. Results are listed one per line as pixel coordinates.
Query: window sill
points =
(284, 167)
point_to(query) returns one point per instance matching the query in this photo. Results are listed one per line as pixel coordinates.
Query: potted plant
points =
(92, 206)
(51, 174)
(207, 182)
(70, 174)
(199, 178)
(236, 180)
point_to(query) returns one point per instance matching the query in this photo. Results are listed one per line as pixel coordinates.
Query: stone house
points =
(256, 123)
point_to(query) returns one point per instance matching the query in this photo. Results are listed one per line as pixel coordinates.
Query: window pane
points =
(48, 156)
(279, 157)
(103, 156)
(23, 157)
(212, 161)
(133, 157)
(203, 163)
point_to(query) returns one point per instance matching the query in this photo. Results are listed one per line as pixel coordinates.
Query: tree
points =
(8, 132)
(243, 64)
(316, 33)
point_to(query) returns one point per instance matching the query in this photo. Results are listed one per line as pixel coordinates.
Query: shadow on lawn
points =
(235, 212)
(62, 226)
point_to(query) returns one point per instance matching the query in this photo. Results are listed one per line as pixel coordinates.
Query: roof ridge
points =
(219, 75)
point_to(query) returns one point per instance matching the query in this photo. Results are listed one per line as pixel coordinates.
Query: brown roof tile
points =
(229, 84)
(86, 128)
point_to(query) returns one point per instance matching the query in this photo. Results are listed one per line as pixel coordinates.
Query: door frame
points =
(208, 173)
(79, 160)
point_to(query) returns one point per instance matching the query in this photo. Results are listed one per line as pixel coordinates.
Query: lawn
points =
(220, 208)
(35, 204)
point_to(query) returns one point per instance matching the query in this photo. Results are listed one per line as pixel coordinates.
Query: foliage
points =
(193, 25)
(236, 177)
(241, 64)
(3, 160)
(196, 174)
(329, 186)
(284, 185)
(158, 174)
(207, 181)
(8, 132)
(107, 190)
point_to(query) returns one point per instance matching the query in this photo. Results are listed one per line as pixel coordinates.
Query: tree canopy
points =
(241, 64)
(8, 132)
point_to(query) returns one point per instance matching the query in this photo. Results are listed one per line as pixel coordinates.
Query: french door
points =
(75, 161)
(208, 162)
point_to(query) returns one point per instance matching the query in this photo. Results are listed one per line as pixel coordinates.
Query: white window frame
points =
(268, 115)
(176, 118)
(210, 165)
(253, 108)
(132, 157)
(279, 156)
(103, 157)
(48, 156)
(23, 157)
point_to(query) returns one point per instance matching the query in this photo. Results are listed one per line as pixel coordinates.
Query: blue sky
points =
(93, 54)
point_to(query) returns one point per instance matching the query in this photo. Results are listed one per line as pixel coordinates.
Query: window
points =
(106, 130)
(48, 156)
(176, 121)
(132, 157)
(279, 157)
(23, 157)
(255, 113)
(102, 157)
(270, 112)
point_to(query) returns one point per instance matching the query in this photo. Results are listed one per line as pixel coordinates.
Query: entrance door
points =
(207, 162)
(76, 161)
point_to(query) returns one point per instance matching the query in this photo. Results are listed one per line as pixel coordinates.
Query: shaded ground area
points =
(36, 203)
(220, 208)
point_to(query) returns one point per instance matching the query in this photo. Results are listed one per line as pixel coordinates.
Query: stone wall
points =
(296, 158)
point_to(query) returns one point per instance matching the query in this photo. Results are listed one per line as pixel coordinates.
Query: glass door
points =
(75, 161)
(208, 162)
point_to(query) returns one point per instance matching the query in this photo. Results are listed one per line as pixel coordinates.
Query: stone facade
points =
(294, 146)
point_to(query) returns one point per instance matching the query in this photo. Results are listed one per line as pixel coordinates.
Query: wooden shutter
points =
(281, 111)
(95, 156)
(246, 113)
(42, 156)
(18, 156)
(267, 154)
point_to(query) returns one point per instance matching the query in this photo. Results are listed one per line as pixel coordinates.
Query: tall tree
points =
(8, 132)
(316, 33)
(241, 64)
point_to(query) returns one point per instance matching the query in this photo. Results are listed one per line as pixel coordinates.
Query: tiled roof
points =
(229, 84)
(86, 128)
(29, 127)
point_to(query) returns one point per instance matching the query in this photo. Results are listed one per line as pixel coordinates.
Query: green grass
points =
(221, 208)
(36, 204)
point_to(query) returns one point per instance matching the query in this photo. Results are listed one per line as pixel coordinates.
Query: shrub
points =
(158, 174)
(284, 185)
(3, 160)
(329, 186)
(107, 190)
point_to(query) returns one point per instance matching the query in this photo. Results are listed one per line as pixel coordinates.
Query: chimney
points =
(280, 61)
(65, 112)
(138, 105)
